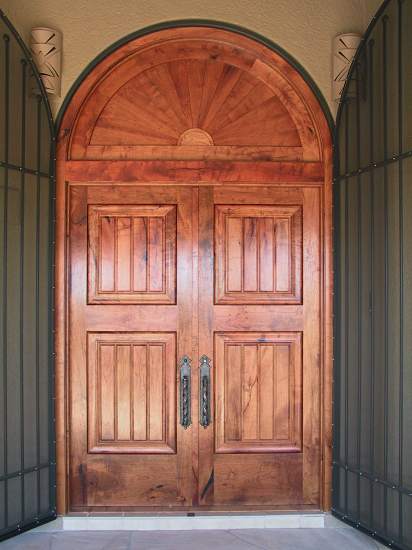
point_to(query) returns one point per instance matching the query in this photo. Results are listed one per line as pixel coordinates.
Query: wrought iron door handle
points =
(185, 392)
(204, 391)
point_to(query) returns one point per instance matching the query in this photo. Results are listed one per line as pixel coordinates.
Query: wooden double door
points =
(194, 346)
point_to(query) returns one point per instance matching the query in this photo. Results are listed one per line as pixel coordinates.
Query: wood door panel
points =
(111, 485)
(269, 318)
(259, 479)
(131, 393)
(258, 254)
(144, 318)
(258, 392)
(132, 254)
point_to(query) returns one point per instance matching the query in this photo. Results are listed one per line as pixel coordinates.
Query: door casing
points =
(73, 170)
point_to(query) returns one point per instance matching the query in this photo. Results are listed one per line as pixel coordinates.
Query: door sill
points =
(127, 522)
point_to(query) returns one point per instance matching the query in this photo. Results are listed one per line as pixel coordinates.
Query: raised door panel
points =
(258, 252)
(131, 393)
(258, 392)
(132, 254)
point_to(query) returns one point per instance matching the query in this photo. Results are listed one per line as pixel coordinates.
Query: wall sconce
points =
(344, 50)
(46, 49)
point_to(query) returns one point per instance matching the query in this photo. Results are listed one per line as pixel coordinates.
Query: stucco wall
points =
(304, 28)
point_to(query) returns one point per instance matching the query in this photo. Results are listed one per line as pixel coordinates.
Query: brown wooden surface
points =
(258, 392)
(158, 172)
(131, 392)
(132, 251)
(258, 254)
(231, 339)
(227, 86)
(119, 361)
(171, 156)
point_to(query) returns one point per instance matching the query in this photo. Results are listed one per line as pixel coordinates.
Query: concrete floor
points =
(329, 538)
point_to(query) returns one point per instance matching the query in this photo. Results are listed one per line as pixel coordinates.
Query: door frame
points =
(64, 123)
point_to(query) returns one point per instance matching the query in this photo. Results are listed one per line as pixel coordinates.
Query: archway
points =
(194, 185)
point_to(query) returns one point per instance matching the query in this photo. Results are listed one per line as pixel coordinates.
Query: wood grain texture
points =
(258, 253)
(259, 377)
(154, 95)
(254, 479)
(132, 254)
(258, 392)
(157, 172)
(193, 119)
(131, 393)
(123, 367)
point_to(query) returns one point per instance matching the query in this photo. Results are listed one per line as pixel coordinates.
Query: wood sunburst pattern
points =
(194, 99)
(157, 106)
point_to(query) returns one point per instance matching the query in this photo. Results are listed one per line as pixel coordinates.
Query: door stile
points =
(311, 391)
(77, 354)
(194, 429)
(185, 276)
(206, 288)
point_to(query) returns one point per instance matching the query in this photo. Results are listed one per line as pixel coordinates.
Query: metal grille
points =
(372, 468)
(27, 462)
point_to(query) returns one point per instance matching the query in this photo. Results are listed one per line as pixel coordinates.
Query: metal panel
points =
(27, 458)
(372, 467)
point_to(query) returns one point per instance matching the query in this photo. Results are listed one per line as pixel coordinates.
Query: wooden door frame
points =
(318, 174)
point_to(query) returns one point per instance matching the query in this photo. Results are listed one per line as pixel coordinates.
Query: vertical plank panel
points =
(233, 369)
(156, 393)
(250, 393)
(139, 392)
(266, 391)
(106, 391)
(282, 392)
(234, 245)
(107, 263)
(123, 263)
(123, 391)
(282, 255)
(156, 254)
(250, 260)
(140, 254)
(266, 249)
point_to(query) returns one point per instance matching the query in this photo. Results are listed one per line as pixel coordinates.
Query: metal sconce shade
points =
(344, 49)
(46, 49)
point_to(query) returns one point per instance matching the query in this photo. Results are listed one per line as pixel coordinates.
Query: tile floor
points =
(337, 536)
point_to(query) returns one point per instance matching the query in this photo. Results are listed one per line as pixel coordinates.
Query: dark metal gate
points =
(372, 467)
(27, 463)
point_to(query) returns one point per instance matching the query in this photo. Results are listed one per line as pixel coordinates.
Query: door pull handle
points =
(204, 392)
(185, 392)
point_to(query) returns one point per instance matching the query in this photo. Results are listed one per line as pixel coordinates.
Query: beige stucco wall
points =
(304, 28)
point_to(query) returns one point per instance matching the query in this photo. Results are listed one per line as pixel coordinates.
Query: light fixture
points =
(344, 50)
(46, 49)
